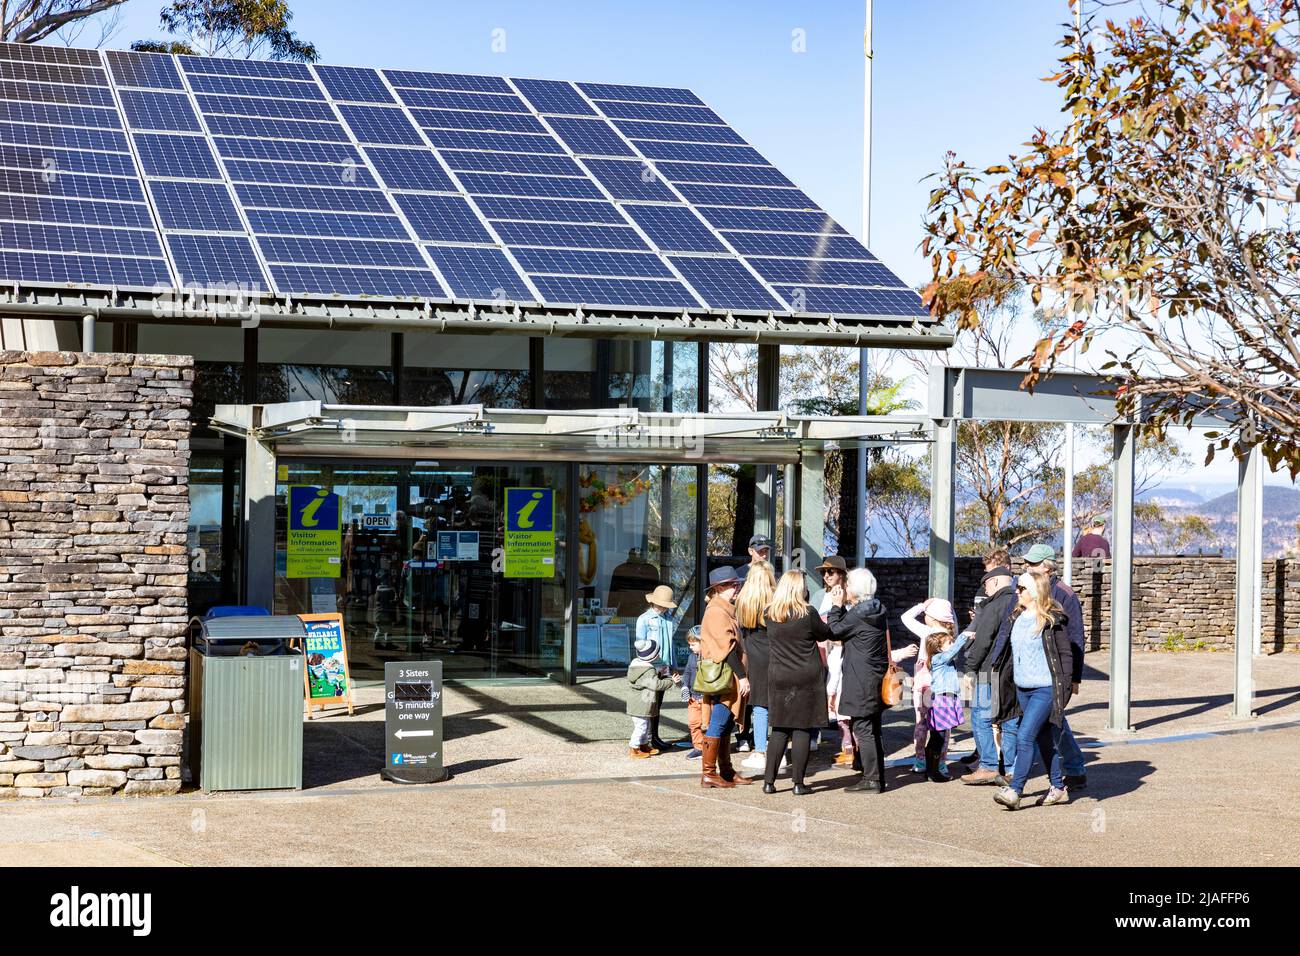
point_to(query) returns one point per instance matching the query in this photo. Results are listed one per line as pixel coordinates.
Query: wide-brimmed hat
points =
(1040, 553)
(833, 563)
(661, 596)
(720, 577)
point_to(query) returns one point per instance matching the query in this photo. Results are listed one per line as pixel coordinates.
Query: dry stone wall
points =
(94, 505)
(1178, 603)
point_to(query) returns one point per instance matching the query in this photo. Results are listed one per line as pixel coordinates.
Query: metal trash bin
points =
(246, 710)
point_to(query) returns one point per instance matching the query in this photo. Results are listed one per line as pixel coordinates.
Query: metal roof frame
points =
(242, 307)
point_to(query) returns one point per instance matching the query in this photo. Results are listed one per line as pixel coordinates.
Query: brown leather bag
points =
(891, 686)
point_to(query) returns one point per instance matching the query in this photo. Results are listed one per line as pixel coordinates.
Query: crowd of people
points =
(768, 668)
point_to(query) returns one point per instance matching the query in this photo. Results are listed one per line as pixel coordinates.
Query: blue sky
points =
(961, 75)
(948, 75)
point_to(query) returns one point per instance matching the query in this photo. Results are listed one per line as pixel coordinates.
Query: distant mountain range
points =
(1281, 514)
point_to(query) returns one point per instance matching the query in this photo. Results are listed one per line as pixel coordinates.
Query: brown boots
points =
(725, 770)
(709, 776)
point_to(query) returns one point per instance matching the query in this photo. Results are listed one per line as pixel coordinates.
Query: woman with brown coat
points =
(720, 643)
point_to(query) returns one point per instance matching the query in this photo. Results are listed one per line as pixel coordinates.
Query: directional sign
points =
(413, 722)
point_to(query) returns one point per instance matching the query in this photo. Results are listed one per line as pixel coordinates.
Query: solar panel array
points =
(122, 169)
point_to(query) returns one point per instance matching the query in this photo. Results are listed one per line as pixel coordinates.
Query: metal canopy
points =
(314, 428)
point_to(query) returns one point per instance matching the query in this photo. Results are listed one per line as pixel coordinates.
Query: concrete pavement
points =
(541, 778)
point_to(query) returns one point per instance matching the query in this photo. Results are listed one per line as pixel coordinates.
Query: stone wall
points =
(1177, 602)
(94, 504)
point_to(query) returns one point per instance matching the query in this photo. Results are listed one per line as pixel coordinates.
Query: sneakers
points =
(1054, 797)
(755, 761)
(918, 765)
(844, 758)
(984, 778)
(1008, 798)
(742, 747)
(1076, 783)
(694, 753)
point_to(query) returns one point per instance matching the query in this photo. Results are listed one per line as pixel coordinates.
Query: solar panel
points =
(126, 169)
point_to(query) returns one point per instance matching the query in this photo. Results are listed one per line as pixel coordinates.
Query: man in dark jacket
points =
(995, 609)
(1042, 557)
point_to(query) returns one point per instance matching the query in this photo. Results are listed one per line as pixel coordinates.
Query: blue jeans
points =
(1036, 730)
(760, 729)
(721, 720)
(1071, 755)
(981, 723)
(1072, 764)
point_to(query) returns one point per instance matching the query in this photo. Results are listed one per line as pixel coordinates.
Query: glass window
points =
(421, 569)
(636, 531)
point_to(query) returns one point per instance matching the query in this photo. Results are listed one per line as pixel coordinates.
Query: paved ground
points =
(541, 778)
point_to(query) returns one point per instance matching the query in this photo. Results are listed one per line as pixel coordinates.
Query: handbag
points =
(946, 712)
(712, 677)
(891, 686)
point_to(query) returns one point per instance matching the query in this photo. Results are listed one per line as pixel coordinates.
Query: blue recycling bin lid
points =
(237, 610)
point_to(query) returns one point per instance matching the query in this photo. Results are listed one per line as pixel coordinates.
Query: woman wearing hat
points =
(720, 643)
(657, 625)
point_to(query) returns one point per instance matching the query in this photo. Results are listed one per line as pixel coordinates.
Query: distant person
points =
(999, 600)
(942, 647)
(796, 687)
(657, 624)
(692, 698)
(1042, 557)
(931, 615)
(1092, 543)
(858, 623)
(720, 644)
(834, 571)
(760, 549)
(647, 690)
(751, 608)
(1035, 649)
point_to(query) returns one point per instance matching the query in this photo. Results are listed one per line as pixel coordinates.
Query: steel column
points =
(769, 399)
(943, 508)
(810, 538)
(1121, 578)
(259, 520)
(1248, 564)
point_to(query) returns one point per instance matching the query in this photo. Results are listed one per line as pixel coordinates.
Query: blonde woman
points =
(751, 607)
(796, 690)
(1033, 645)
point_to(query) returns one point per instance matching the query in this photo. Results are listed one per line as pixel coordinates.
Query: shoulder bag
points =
(712, 677)
(891, 686)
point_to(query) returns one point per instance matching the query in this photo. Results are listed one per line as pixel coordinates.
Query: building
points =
(417, 296)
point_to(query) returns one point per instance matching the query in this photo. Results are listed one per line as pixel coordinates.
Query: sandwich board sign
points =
(413, 722)
(326, 679)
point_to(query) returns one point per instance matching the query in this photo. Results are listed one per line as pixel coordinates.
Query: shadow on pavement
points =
(1195, 706)
(337, 752)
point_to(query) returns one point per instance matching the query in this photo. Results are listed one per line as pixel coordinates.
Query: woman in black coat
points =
(862, 629)
(796, 687)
